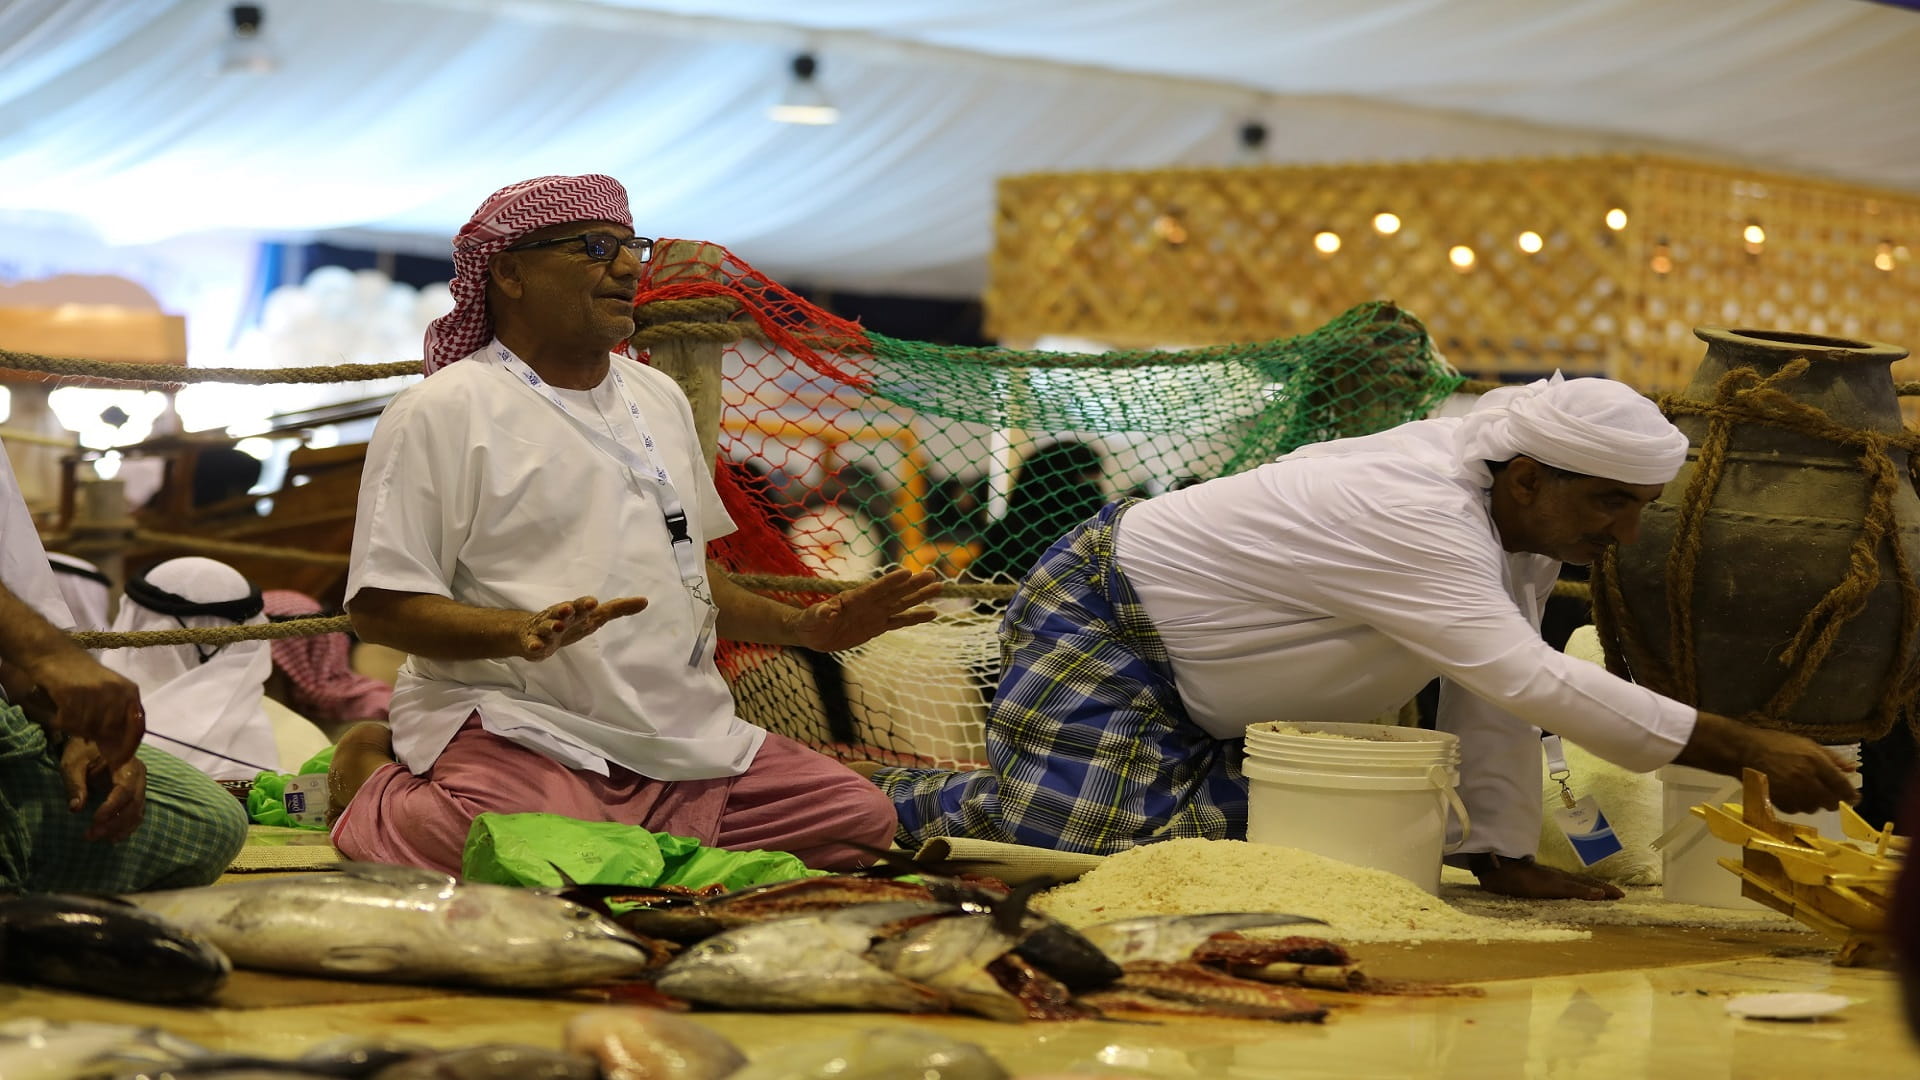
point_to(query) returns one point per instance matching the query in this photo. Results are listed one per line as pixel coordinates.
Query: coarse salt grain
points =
(1194, 877)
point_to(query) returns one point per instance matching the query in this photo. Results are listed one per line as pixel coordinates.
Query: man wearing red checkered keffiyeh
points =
(534, 466)
(506, 216)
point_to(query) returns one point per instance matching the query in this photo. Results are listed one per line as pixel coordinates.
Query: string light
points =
(1326, 243)
(1461, 256)
(1616, 219)
(1754, 234)
(1386, 224)
(1530, 242)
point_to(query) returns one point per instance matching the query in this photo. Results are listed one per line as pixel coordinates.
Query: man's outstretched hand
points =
(549, 631)
(861, 614)
(1529, 880)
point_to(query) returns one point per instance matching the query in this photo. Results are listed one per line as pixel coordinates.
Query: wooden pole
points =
(694, 364)
(102, 527)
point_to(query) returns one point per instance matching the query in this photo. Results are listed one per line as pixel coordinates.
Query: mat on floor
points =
(271, 848)
(1011, 863)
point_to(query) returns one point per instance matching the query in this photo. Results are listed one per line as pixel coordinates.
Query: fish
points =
(1171, 939)
(1186, 985)
(502, 1061)
(878, 1054)
(647, 1044)
(952, 955)
(1302, 960)
(687, 918)
(35, 1049)
(105, 946)
(398, 924)
(813, 961)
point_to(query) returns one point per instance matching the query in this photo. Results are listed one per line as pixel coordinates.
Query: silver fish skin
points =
(814, 961)
(878, 1054)
(394, 924)
(951, 955)
(35, 1049)
(1171, 939)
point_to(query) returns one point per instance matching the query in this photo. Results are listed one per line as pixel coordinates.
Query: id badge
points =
(703, 641)
(1587, 830)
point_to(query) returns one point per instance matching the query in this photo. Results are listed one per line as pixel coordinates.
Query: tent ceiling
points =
(390, 119)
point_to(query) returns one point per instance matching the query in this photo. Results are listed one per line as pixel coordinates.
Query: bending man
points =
(531, 475)
(1329, 586)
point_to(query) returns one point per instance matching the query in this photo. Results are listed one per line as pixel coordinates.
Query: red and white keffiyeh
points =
(325, 686)
(507, 215)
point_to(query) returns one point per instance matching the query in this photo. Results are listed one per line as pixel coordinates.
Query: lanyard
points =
(646, 468)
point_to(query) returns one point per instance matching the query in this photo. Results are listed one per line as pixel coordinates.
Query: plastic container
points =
(1690, 862)
(1395, 821)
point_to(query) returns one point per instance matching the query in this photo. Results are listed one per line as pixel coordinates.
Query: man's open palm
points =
(861, 614)
(564, 623)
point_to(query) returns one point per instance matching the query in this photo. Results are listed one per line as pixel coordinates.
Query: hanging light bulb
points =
(246, 52)
(1530, 242)
(1461, 256)
(804, 102)
(1326, 242)
(1616, 219)
(1386, 224)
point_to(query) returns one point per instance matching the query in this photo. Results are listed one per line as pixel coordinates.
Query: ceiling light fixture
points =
(804, 102)
(246, 52)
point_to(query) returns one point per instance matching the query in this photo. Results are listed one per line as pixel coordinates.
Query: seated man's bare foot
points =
(866, 768)
(1529, 880)
(362, 750)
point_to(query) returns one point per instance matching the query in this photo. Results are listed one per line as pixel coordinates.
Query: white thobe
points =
(479, 489)
(1331, 585)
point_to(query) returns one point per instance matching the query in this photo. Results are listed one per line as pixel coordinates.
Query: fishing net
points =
(844, 453)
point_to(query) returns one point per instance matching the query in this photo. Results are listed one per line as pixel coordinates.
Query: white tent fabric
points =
(389, 120)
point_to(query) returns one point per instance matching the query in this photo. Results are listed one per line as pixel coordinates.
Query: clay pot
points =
(1775, 540)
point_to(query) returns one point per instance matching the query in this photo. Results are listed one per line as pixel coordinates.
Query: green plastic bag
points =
(266, 799)
(536, 849)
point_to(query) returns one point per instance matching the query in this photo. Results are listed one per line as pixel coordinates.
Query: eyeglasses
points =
(601, 247)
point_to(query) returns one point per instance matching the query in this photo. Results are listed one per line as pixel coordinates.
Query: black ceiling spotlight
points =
(246, 51)
(1253, 135)
(804, 101)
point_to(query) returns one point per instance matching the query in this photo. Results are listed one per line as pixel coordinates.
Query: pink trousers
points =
(791, 799)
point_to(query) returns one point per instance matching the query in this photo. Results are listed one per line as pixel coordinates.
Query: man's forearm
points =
(26, 637)
(435, 627)
(746, 615)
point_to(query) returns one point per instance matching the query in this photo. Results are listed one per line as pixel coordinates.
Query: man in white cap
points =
(203, 702)
(535, 490)
(1329, 586)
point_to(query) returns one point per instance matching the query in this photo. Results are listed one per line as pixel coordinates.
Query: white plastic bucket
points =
(1690, 862)
(1396, 823)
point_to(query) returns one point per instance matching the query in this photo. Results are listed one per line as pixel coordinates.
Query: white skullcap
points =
(1595, 427)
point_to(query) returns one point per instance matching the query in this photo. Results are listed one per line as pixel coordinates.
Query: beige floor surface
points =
(1659, 1022)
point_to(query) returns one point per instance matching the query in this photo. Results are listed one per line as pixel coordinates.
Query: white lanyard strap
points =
(1557, 770)
(645, 468)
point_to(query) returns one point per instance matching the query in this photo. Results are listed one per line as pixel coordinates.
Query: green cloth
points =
(264, 800)
(536, 849)
(192, 829)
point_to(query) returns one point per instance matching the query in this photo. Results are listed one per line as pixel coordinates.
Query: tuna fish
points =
(499, 1062)
(393, 924)
(813, 961)
(103, 946)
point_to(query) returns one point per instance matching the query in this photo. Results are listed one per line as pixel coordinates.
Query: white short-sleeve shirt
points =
(477, 488)
(1331, 585)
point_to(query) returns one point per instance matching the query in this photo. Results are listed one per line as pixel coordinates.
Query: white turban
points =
(1595, 427)
(85, 589)
(203, 702)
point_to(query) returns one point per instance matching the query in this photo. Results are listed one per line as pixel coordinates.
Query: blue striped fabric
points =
(1088, 745)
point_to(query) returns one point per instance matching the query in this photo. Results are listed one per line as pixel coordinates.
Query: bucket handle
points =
(1437, 776)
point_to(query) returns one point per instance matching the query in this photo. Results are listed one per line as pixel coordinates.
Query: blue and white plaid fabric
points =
(1088, 745)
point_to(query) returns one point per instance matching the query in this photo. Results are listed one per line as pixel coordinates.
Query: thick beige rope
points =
(210, 635)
